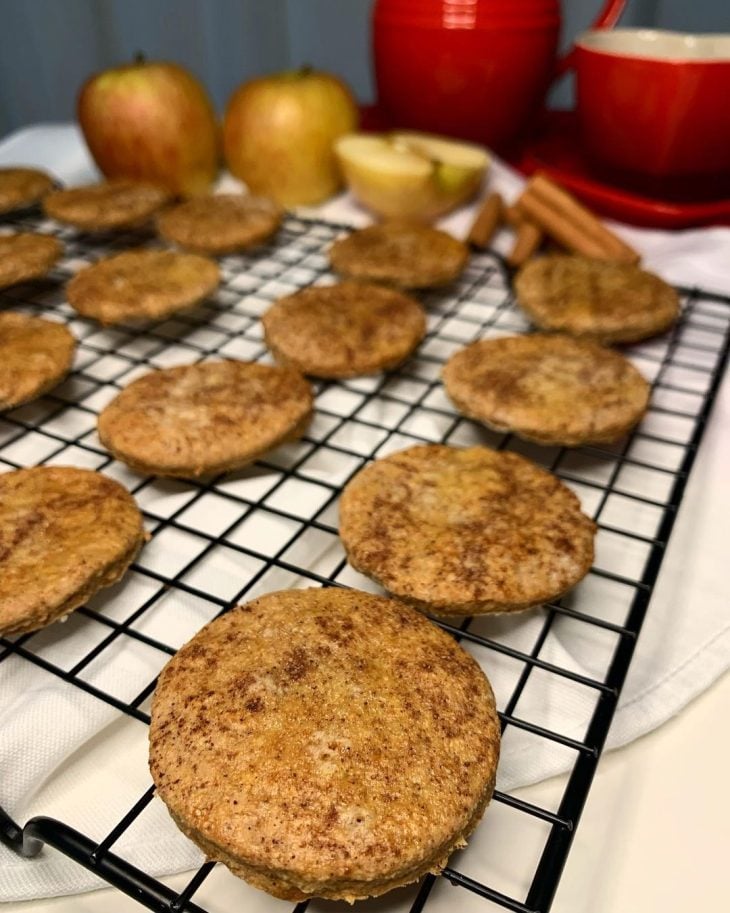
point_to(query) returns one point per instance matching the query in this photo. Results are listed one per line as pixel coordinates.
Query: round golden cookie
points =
(465, 532)
(398, 253)
(548, 388)
(598, 299)
(142, 284)
(207, 418)
(117, 203)
(21, 187)
(35, 355)
(324, 743)
(344, 330)
(25, 256)
(220, 224)
(64, 534)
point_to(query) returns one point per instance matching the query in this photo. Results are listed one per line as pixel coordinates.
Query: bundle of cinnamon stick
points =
(545, 209)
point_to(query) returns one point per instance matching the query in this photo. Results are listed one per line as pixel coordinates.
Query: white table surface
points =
(654, 835)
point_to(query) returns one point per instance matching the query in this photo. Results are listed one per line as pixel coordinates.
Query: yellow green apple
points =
(151, 121)
(279, 131)
(410, 175)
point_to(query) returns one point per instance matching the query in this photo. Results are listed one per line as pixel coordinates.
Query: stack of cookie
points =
(367, 323)
(343, 330)
(565, 386)
(81, 529)
(562, 386)
(24, 256)
(387, 816)
(35, 354)
(322, 742)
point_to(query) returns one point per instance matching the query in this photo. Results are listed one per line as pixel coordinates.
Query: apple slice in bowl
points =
(410, 175)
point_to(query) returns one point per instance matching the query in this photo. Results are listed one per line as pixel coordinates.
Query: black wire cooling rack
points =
(219, 542)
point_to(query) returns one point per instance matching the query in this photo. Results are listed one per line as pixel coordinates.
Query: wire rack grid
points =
(557, 672)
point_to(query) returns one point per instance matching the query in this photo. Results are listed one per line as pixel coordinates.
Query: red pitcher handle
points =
(606, 19)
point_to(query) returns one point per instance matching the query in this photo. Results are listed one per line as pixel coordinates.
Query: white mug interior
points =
(657, 44)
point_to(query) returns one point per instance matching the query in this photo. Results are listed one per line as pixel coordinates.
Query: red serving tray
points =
(555, 149)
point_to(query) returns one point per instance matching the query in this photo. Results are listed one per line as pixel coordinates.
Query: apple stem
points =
(306, 69)
(140, 57)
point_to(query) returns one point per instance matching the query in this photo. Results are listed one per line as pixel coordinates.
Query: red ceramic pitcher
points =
(474, 69)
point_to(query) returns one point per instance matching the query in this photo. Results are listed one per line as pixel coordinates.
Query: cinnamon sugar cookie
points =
(598, 299)
(117, 203)
(220, 224)
(20, 187)
(142, 284)
(25, 256)
(344, 330)
(465, 532)
(548, 388)
(324, 743)
(404, 254)
(64, 534)
(35, 355)
(207, 418)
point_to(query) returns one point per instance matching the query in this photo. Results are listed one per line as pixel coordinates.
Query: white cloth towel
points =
(67, 754)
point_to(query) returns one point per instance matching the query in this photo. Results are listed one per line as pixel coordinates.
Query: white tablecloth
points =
(684, 647)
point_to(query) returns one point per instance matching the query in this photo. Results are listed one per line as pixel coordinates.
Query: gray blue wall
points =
(48, 47)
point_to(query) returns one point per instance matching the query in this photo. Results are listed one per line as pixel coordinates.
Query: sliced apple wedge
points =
(410, 175)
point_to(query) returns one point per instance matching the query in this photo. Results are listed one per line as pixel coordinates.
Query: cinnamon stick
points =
(487, 221)
(560, 228)
(513, 215)
(570, 223)
(528, 238)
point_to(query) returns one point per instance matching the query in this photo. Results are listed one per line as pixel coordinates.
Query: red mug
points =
(654, 104)
(473, 69)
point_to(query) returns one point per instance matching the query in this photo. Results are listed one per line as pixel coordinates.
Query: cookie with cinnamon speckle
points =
(114, 204)
(25, 256)
(465, 532)
(64, 534)
(597, 299)
(142, 285)
(324, 743)
(220, 224)
(548, 388)
(20, 187)
(404, 254)
(344, 330)
(35, 356)
(207, 418)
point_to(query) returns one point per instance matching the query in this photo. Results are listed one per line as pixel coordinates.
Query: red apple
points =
(279, 133)
(152, 121)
